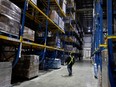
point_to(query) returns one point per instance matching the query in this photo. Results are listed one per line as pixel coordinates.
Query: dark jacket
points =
(68, 59)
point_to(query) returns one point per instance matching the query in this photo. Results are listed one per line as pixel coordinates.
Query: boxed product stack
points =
(54, 16)
(27, 67)
(28, 34)
(68, 48)
(10, 16)
(5, 74)
(54, 41)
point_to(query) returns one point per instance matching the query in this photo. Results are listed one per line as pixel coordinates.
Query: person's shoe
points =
(70, 74)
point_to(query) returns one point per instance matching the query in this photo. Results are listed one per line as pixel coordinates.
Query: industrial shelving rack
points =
(37, 17)
(72, 30)
(47, 24)
(101, 42)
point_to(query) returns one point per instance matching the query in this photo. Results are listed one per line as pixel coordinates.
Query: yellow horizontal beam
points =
(34, 6)
(103, 45)
(111, 37)
(9, 39)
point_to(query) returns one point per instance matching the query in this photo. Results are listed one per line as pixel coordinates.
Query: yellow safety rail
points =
(9, 39)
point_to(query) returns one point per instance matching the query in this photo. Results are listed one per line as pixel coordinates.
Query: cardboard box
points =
(54, 16)
(28, 34)
(9, 9)
(27, 67)
(8, 25)
(5, 74)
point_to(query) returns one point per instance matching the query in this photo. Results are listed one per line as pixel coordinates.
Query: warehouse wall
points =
(87, 47)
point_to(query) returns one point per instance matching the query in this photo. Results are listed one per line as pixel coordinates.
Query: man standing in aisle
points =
(70, 62)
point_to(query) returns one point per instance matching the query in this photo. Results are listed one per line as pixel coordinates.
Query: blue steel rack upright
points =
(97, 35)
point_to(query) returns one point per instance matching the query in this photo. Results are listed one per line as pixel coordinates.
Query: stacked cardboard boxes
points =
(54, 16)
(10, 16)
(55, 42)
(28, 34)
(5, 74)
(27, 67)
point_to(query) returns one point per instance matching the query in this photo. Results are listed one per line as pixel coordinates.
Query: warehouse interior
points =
(38, 36)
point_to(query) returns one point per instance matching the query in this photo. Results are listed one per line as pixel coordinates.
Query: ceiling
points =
(85, 14)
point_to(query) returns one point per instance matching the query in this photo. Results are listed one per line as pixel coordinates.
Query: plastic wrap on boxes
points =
(61, 23)
(56, 64)
(8, 25)
(28, 66)
(28, 34)
(5, 74)
(64, 6)
(54, 16)
(10, 9)
(34, 1)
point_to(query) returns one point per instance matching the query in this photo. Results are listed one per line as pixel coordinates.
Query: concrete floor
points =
(82, 77)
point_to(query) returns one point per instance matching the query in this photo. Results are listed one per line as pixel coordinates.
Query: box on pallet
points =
(28, 34)
(9, 9)
(8, 25)
(27, 67)
(54, 16)
(5, 74)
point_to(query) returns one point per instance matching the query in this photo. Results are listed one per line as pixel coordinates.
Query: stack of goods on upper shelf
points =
(10, 16)
(71, 48)
(5, 74)
(29, 34)
(27, 67)
(54, 41)
(57, 19)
